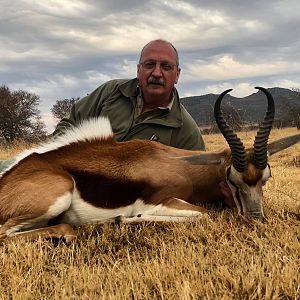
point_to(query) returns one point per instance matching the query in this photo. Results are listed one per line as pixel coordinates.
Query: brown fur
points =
(107, 175)
(252, 175)
(29, 188)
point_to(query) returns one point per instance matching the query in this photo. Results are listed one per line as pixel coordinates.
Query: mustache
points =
(158, 81)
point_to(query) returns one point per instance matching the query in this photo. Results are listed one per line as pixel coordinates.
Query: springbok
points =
(85, 176)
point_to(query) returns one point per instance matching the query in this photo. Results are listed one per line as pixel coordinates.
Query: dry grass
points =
(216, 257)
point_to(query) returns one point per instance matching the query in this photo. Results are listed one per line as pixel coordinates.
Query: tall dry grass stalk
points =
(215, 257)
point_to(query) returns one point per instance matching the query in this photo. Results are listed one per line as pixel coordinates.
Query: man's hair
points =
(164, 41)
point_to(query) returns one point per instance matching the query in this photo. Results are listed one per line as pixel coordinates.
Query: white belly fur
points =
(81, 212)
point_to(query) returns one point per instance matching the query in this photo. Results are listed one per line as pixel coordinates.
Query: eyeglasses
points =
(164, 66)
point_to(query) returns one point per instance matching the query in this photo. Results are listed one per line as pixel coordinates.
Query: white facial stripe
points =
(233, 176)
(236, 196)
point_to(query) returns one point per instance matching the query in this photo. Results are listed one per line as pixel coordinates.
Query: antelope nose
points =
(257, 215)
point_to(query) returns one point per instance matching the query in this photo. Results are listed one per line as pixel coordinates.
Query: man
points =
(146, 107)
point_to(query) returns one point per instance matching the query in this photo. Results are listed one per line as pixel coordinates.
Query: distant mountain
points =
(251, 108)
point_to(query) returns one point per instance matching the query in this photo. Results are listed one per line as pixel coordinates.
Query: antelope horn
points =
(236, 146)
(262, 136)
(283, 143)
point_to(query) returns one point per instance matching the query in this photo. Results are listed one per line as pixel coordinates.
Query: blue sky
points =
(60, 49)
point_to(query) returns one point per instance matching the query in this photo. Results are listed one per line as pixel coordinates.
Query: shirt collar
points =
(140, 101)
(129, 89)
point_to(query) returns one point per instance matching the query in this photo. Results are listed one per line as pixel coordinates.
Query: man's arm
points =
(86, 108)
(188, 136)
(194, 141)
(190, 140)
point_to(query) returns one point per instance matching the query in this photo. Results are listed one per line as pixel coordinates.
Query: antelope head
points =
(244, 170)
(249, 170)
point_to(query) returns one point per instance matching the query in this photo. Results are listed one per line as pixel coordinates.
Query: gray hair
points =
(164, 41)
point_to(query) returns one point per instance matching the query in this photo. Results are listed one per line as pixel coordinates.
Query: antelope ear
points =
(283, 143)
(205, 158)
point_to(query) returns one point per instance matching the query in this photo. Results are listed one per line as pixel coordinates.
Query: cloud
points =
(289, 84)
(227, 67)
(238, 89)
(61, 48)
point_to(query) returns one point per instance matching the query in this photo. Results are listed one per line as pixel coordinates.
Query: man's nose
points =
(157, 71)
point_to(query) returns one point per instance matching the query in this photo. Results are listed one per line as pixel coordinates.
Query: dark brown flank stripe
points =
(105, 192)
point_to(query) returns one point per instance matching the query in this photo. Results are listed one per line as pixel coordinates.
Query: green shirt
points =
(117, 100)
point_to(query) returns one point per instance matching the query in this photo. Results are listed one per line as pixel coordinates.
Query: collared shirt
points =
(139, 116)
(117, 100)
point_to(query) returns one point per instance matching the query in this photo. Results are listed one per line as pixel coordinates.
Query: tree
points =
(290, 110)
(294, 109)
(63, 107)
(19, 116)
(231, 115)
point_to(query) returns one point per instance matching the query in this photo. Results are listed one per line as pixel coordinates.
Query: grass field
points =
(215, 257)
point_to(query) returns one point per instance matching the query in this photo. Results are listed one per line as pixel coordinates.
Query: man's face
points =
(157, 71)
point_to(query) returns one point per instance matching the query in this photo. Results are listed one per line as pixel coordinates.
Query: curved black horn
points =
(262, 136)
(237, 148)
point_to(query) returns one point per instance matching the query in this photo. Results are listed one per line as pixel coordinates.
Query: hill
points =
(251, 108)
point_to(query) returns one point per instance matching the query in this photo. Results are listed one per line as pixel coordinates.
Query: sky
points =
(61, 49)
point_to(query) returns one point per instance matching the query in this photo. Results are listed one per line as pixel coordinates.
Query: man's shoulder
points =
(126, 86)
(120, 82)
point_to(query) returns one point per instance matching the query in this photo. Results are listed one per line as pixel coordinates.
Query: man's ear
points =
(138, 67)
(177, 75)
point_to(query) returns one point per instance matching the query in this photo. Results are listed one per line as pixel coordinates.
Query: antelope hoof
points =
(69, 238)
(119, 220)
